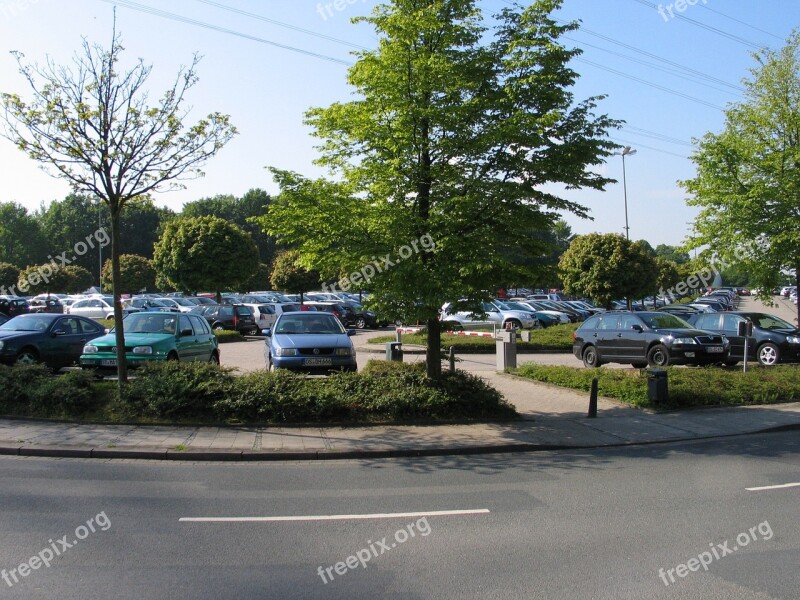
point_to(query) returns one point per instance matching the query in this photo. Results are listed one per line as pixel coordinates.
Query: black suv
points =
(11, 307)
(774, 340)
(236, 317)
(646, 338)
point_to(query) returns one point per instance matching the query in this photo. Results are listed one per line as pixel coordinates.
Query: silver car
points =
(496, 313)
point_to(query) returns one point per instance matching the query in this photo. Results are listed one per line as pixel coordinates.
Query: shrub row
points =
(706, 386)
(202, 392)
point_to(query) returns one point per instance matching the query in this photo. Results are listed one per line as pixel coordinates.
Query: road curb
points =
(382, 453)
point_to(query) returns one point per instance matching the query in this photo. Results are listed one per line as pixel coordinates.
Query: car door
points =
(630, 343)
(187, 342)
(730, 328)
(65, 343)
(206, 340)
(607, 336)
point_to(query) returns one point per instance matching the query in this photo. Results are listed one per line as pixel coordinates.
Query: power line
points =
(722, 14)
(656, 135)
(638, 145)
(182, 19)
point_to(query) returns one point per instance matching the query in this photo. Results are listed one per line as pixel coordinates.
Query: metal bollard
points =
(593, 401)
(506, 347)
(451, 356)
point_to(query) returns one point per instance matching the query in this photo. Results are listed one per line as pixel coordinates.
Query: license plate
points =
(317, 362)
(108, 362)
(715, 349)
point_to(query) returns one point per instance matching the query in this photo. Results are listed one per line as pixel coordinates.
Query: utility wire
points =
(182, 19)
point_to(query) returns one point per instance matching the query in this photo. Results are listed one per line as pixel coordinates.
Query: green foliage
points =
(608, 267)
(455, 132)
(40, 279)
(137, 274)
(260, 280)
(747, 182)
(31, 390)
(9, 275)
(175, 390)
(290, 276)
(708, 386)
(78, 279)
(209, 253)
(22, 242)
(224, 336)
(557, 338)
(672, 253)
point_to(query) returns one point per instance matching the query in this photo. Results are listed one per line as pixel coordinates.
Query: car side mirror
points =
(351, 332)
(58, 332)
(638, 328)
(266, 332)
(187, 332)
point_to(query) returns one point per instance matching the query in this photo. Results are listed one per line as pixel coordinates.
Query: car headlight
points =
(792, 339)
(88, 349)
(286, 352)
(142, 349)
(685, 340)
(344, 351)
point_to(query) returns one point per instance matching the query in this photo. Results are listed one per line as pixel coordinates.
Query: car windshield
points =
(26, 323)
(182, 302)
(663, 321)
(150, 323)
(517, 306)
(312, 324)
(501, 305)
(771, 322)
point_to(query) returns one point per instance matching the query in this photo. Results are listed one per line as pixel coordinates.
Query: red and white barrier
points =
(474, 333)
(410, 329)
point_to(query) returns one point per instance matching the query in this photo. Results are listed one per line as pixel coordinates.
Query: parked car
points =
(181, 304)
(455, 316)
(646, 338)
(11, 306)
(309, 341)
(235, 317)
(154, 336)
(363, 318)
(46, 305)
(199, 300)
(53, 339)
(98, 308)
(3, 318)
(541, 309)
(773, 341)
(347, 317)
(149, 304)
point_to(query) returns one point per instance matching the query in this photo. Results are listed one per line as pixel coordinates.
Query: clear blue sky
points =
(266, 88)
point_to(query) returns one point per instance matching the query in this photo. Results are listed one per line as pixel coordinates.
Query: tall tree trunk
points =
(797, 287)
(433, 358)
(122, 366)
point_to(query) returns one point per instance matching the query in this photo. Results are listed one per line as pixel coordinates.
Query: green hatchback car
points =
(154, 336)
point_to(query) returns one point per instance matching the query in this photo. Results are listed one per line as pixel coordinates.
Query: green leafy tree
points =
(77, 279)
(9, 275)
(42, 279)
(606, 267)
(289, 275)
(748, 181)
(92, 125)
(21, 239)
(672, 253)
(243, 211)
(136, 272)
(667, 276)
(205, 253)
(453, 137)
(261, 279)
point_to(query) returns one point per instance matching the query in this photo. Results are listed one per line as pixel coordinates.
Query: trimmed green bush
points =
(706, 386)
(225, 336)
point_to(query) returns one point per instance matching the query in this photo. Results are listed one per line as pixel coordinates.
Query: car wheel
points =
(658, 356)
(214, 358)
(769, 354)
(638, 365)
(361, 323)
(172, 356)
(591, 359)
(27, 356)
(514, 323)
(270, 367)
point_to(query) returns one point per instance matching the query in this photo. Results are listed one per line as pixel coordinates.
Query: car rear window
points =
(244, 311)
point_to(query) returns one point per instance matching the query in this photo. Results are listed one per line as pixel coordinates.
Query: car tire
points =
(639, 365)
(658, 356)
(214, 358)
(361, 323)
(172, 356)
(27, 356)
(591, 359)
(768, 354)
(514, 323)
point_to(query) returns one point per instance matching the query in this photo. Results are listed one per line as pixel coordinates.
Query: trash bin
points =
(394, 351)
(657, 390)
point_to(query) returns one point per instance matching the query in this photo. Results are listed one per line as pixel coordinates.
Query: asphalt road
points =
(590, 524)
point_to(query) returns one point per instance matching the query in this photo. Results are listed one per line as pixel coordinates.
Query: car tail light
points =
(574, 335)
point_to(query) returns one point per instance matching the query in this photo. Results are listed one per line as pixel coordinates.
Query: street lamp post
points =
(626, 151)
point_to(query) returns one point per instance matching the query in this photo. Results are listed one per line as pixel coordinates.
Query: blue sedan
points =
(307, 341)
